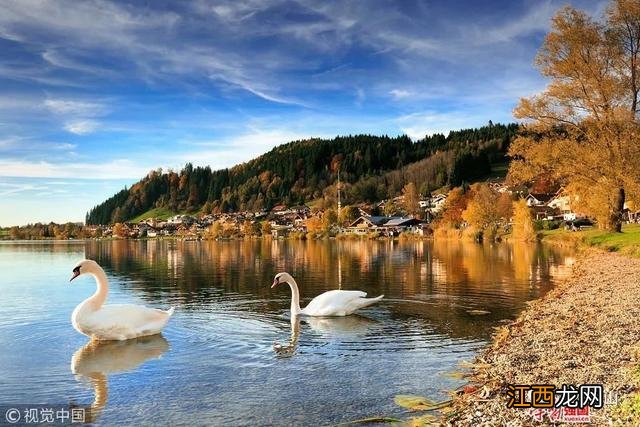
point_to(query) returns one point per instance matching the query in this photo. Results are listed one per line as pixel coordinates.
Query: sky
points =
(94, 94)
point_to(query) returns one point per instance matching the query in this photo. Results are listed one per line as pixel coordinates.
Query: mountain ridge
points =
(371, 168)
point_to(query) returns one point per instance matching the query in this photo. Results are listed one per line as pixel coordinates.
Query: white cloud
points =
(115, 169)
(8, 189)
(64, 146)
(76, 108)
(78, 116)
(228, 152)
(418, 125)
(81, 127)
(8, 142)
(399, 93)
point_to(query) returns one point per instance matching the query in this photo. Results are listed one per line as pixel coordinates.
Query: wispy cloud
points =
(399, 93)
(10, 189)
(226, 152)
(116, 169)
(76, 108)
(78, 116)
(418, 125)
(81, 127)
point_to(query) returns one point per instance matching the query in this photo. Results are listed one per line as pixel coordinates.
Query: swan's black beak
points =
(76, 273)
(275, 283)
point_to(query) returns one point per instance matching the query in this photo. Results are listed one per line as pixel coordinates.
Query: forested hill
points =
(371, 168)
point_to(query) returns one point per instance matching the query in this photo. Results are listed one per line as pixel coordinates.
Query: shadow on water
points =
(96, 360)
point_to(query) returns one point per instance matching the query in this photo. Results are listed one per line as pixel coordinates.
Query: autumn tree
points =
(390, 208)
(313, 224)
(523, 228)
(348, 214)
(411, 202)
(505, 206)
(247, 228)
(455, 204)
(118, 230)
(215, 230)
(265, 228)
(583, 129)
(482, 212)
(329, 219)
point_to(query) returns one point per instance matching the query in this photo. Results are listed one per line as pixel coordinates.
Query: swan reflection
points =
(289, 349)
(328, 327)
(97, 359)
(341, 327)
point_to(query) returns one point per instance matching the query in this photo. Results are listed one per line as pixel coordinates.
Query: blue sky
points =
(94, 94)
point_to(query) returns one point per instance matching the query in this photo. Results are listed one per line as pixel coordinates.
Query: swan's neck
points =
(95, 301)
(295, 298)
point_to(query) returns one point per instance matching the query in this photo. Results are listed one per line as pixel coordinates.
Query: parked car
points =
(578, 224)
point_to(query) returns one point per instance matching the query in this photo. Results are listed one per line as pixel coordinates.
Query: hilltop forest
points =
(371, 168)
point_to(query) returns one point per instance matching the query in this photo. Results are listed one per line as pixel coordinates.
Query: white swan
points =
(330, 303)
(113, 322)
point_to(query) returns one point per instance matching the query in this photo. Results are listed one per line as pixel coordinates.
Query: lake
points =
(231, 355)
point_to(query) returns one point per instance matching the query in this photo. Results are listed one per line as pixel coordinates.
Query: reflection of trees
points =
(48, 246)
(437, 280)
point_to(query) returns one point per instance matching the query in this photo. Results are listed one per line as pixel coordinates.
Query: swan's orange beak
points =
(275, 283)
(76, 273)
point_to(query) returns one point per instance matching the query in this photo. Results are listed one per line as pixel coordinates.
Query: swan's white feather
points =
(338, 303)
(117, 321)
(122, 321)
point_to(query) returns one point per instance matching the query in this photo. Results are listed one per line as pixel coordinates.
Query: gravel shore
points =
(585, 331)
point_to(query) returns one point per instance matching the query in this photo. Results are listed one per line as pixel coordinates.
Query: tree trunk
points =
(615, 222)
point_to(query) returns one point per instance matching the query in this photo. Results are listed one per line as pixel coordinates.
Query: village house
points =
(538, 199)
(562, 203)
(279, 210)
(388, 225)
(280, 231)
(498, 185)
(181, 220)
(152, 231)
(395, 226)
(434, 204)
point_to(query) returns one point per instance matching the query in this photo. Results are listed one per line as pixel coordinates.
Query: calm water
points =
(216, 362)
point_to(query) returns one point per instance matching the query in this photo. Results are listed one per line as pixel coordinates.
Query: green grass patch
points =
(627, 242)
(498, 170)
(160, 213)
